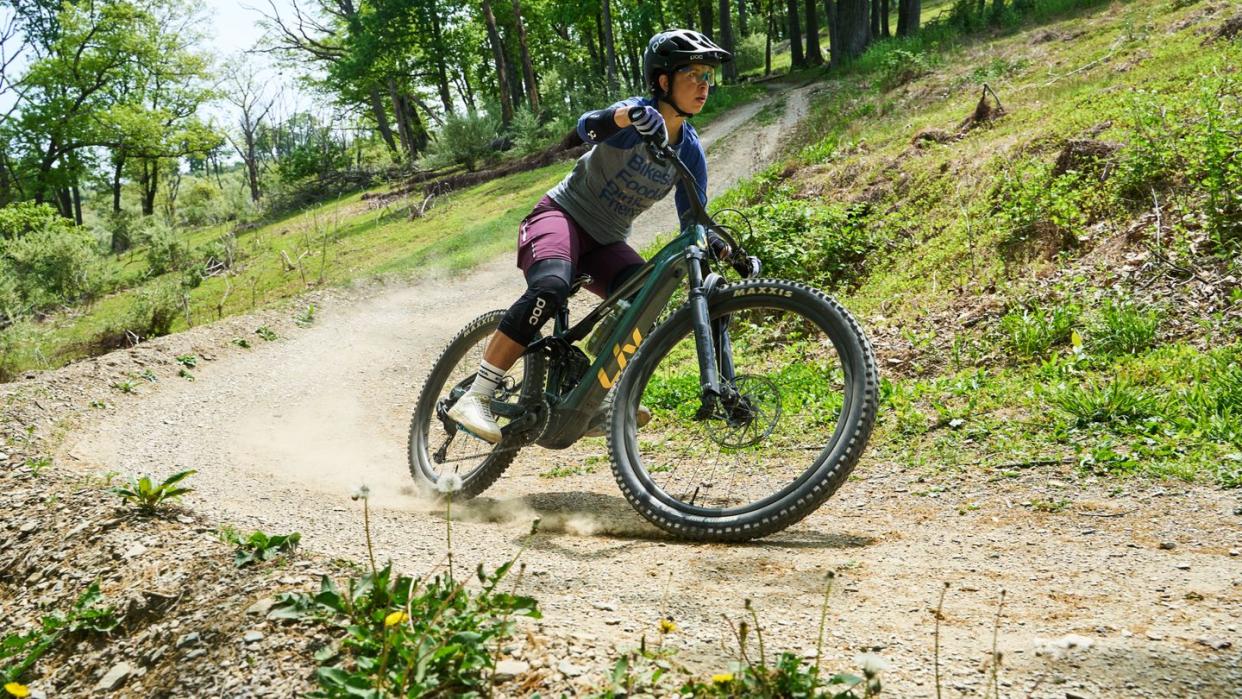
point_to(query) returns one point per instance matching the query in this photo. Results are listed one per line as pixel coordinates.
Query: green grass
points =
(343, 241)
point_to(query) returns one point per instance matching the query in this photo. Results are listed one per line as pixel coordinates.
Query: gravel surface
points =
(1135, 589)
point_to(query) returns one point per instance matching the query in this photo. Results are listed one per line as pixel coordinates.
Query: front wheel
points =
(803, 401)
(436, 446)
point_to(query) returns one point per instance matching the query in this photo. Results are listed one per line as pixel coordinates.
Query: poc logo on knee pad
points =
(537, 312)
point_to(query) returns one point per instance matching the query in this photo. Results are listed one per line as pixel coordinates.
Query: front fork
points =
(715, 350)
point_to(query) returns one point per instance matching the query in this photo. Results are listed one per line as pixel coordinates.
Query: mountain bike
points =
(762, 393)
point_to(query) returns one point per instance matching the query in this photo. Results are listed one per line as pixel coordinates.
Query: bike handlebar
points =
(721, 244)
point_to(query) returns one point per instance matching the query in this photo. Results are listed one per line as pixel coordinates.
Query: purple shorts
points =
(549, 233)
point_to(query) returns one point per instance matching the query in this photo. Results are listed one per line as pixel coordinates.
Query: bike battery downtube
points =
(709, 378)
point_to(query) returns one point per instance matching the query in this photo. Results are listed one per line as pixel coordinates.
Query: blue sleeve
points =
(696, 161)
(585, 124)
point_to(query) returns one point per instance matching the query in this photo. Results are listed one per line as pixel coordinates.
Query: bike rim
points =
(799, 387)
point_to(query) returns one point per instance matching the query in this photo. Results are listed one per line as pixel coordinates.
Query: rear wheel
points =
(436, 446)
(805, 395)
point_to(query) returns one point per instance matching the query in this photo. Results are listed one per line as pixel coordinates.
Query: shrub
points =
(166, 250)
(528, 132)
(824, 244)
(1124, 329)
(899, 66)
(750, 53)
(464, 139)
(54, 263)
(202, 203)
(16, 220)
(154, 310)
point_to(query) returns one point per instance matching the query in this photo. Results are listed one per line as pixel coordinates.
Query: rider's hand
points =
(649, 124)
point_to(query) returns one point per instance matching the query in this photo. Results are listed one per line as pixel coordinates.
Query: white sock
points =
(488, 378)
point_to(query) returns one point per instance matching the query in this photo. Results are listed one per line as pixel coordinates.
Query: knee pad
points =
(546, 292)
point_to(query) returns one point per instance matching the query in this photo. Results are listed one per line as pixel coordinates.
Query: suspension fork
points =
(710, 338)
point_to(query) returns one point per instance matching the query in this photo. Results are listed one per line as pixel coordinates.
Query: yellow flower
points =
(17, 690)
(395, 618)
(724, 678)
(667, 626)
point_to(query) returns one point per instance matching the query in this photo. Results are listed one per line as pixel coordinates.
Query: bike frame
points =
(651, 289)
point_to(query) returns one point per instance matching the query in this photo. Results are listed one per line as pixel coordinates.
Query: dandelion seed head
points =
(362, 493)
(872, 664)
(449, 483)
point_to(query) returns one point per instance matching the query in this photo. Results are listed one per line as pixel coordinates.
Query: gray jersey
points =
(616, 180)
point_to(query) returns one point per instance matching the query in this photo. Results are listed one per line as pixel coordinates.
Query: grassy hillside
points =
(1058, 284)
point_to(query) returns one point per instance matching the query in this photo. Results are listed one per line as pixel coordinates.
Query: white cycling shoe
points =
(474, 416)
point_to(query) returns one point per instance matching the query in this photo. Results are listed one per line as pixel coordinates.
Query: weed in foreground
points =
(409, 636)
(147, 497)
(752, 673)
(20, 651)
(259, 546)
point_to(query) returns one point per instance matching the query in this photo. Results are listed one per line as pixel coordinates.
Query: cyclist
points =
(581, 224)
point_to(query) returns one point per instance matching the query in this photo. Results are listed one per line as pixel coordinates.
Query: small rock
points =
(1234, 552)
(185, 519)
(114, 677)
(1155, 636)
(262, 607)
(1183, 566)
(29, 527)
(253, 636)
(508, 669)
(1215, 643)
(568, 669)
(3, 456)
(604, 606)
(134, 551)
(195, 653)
(1167, 545)
(187, 639)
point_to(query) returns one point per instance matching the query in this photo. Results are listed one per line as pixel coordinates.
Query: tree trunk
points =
(498, 53)
(442, 82)
(636, 64)
(998, 8)
(908, 15)
(741, 20)
(726, 39)
(381, 119)
(767, 52)
(797, 58)
(77, 204)
(854, 29)
(528, 69)
(118, 162)
(149, 182)
(834, 33)
(813, 55)
(705, 18)
(884, 31)
(597, 60)
(873, 30)
(610, 51)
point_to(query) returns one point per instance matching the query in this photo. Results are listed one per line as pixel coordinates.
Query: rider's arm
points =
(697, 164)
(602, 124)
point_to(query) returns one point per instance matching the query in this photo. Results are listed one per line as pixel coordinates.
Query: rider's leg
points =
(547, 290)
(610, 266)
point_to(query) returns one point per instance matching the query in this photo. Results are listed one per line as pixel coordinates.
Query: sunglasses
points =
(701, 76)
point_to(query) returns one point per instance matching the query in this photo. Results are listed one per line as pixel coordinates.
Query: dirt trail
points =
(282, 435)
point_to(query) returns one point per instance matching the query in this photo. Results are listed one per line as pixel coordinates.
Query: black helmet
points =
(674, 48)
